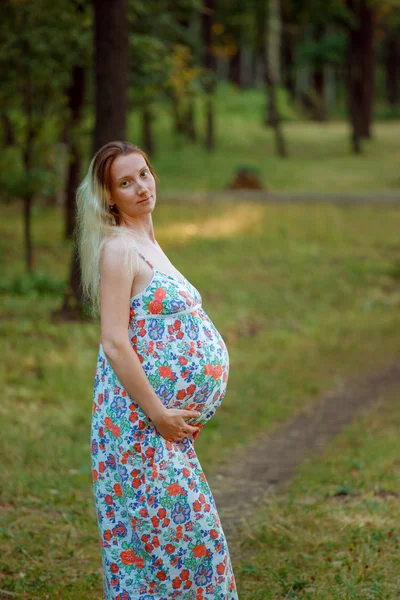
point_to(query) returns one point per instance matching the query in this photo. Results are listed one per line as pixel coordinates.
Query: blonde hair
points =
(96, 221)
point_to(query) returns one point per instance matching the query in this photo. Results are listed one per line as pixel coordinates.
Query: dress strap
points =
(145, 259)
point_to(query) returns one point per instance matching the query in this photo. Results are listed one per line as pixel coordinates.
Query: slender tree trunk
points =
(367, 26)
(178, 125)
(234, 68)
(191, 120)
(111, 70)
(287, 62)
(272, 116)
(73, 303)
(76, 95)
(273, 57)
(210, 66)
(318, 77)
(355, 90)
(147, 131)
(392, 68)
(8, 132)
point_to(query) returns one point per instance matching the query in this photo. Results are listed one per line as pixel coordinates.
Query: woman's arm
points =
(115, 290)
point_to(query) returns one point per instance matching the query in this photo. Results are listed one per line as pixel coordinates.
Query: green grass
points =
(334, 534)
(303, 295)
(320, 160)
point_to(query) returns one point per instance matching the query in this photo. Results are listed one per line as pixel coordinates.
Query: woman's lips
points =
(144, 199)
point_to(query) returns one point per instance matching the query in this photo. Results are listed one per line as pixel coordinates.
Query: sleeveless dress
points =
(160, 533)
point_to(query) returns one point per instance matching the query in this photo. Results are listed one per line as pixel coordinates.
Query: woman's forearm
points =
(128, 368)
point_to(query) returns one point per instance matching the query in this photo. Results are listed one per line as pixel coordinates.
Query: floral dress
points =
(160, 533)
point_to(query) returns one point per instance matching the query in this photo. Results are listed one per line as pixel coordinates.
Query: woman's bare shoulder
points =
(114, 247)
(119, 256)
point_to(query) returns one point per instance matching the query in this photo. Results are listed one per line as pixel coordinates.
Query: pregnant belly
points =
(185, 360)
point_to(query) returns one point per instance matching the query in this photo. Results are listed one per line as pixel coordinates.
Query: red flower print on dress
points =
(114, 567)
(217, 372)
(213, 534)
(155, 307)
(174, 490)
(176, 583)
(208, 369)
(165, 371)
(160, 294)
(161, 575)
(128, 557)
(199, 551)
(118, 490)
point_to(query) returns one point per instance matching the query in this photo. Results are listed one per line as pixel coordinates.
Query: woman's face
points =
(133, 188)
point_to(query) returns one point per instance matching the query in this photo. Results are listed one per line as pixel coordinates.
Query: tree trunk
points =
(210, 122)
(73, 304)
(76, 95)
(147, 131)
(8, 132)
(392, 67)
(210, 66)
(319, 112)
(111, 67)
(272, 116)
(111, 70)
(287, 62)
(367, 27)
(318, 77)
(361, 68)
(355, 90)
(191, 120)
(273, 58)
(234, 68)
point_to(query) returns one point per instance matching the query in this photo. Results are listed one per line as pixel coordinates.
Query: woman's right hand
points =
(172, 425)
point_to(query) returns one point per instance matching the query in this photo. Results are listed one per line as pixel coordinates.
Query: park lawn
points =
(320, 156)
(333, 533)
(303, 295)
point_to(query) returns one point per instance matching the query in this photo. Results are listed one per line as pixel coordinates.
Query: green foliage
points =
(32, 285)
(250, 104)
(329, 51)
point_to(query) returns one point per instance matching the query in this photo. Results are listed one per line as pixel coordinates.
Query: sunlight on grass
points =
(240, 219)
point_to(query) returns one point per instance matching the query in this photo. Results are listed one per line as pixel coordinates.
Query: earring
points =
(112, 206)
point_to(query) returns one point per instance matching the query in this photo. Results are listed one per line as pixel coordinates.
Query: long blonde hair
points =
(96, 221)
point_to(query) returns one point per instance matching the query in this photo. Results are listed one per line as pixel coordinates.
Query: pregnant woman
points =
(162, 372)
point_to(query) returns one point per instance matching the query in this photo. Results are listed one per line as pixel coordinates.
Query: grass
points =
(303, 295)
(334, 534)
(320, 160)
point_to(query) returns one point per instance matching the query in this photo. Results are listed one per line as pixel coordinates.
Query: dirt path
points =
(240, 486)
(263, 196)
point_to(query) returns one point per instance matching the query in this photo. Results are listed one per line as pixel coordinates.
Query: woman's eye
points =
(145, 171)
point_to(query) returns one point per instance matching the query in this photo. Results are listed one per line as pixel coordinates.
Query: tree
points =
(111, 81)
(210, 66)
(35, 73)
(269, 48)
